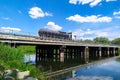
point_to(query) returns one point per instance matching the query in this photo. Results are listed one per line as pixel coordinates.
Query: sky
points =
(87, 19)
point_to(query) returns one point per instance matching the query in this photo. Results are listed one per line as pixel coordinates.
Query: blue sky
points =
(85, 18)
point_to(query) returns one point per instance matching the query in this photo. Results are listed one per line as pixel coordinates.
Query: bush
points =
(27, 49)
(13, 58)
(9, 54)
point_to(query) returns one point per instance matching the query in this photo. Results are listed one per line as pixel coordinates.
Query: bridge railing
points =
(38, 38)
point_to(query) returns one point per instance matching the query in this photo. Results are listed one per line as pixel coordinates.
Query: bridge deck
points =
(34, 41)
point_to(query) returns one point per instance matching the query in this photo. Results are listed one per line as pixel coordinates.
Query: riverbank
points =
(60, 72)
(13, 59)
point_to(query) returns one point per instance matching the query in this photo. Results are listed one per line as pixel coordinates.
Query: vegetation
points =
(101, 40)
(12, 58)
(116, 41)
(104, 40)
(88, 41)
(118, 59)
(27, 49)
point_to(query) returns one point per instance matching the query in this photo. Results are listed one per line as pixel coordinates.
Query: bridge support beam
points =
(104, 51)
(113, 51)
(100, 52)
(116, 52)
(108, 53)
(62, 53)
(86, 54)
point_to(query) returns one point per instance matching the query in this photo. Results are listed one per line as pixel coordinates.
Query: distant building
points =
(72, 36)
(50, 34)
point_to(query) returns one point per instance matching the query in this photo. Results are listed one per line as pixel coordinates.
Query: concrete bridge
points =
(60, 49)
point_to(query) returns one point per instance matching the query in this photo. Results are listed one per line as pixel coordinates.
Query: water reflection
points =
(91, 78)
(29, 58)
(64, 76)
(55, 64)
(105, 70)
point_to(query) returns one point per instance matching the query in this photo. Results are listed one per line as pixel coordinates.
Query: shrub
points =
(13, 58)
(27, 49)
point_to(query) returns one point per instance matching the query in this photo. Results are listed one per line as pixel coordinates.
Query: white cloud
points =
(116, 13)
(36, 12)
(95, 2)
(90, 2)
(93, 18)
(48, 14)
(111, 33)
(80, 1)
(10, 29)
(110, 0)
(98, 33)
(52, 26)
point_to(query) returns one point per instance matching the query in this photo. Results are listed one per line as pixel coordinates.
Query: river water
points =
(102, 70)
(109, 70)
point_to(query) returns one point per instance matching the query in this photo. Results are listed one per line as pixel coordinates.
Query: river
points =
(107, 69)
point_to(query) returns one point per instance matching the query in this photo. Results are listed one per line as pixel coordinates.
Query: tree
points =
(101, 40)
(116, 41)
(88, 41)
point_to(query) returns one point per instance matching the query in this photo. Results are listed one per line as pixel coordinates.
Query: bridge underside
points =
(62, 53)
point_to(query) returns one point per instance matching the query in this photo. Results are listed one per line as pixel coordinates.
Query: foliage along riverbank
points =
(118, 59)
(13, 58)
(27, 49)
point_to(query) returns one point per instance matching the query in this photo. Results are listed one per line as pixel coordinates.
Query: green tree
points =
(88, 41)
(102, 40)
(116, 41)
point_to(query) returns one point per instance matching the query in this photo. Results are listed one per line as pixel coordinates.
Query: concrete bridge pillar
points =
(116, 51)
(113, 51)
(72, 53)
(97, 53)
(105, 52)
(108, 52)
(100, 52)
(62, 53)
(37, 54)
(86, 54)
(82, 54)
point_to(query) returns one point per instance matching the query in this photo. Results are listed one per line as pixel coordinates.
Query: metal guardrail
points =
(4, 35)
